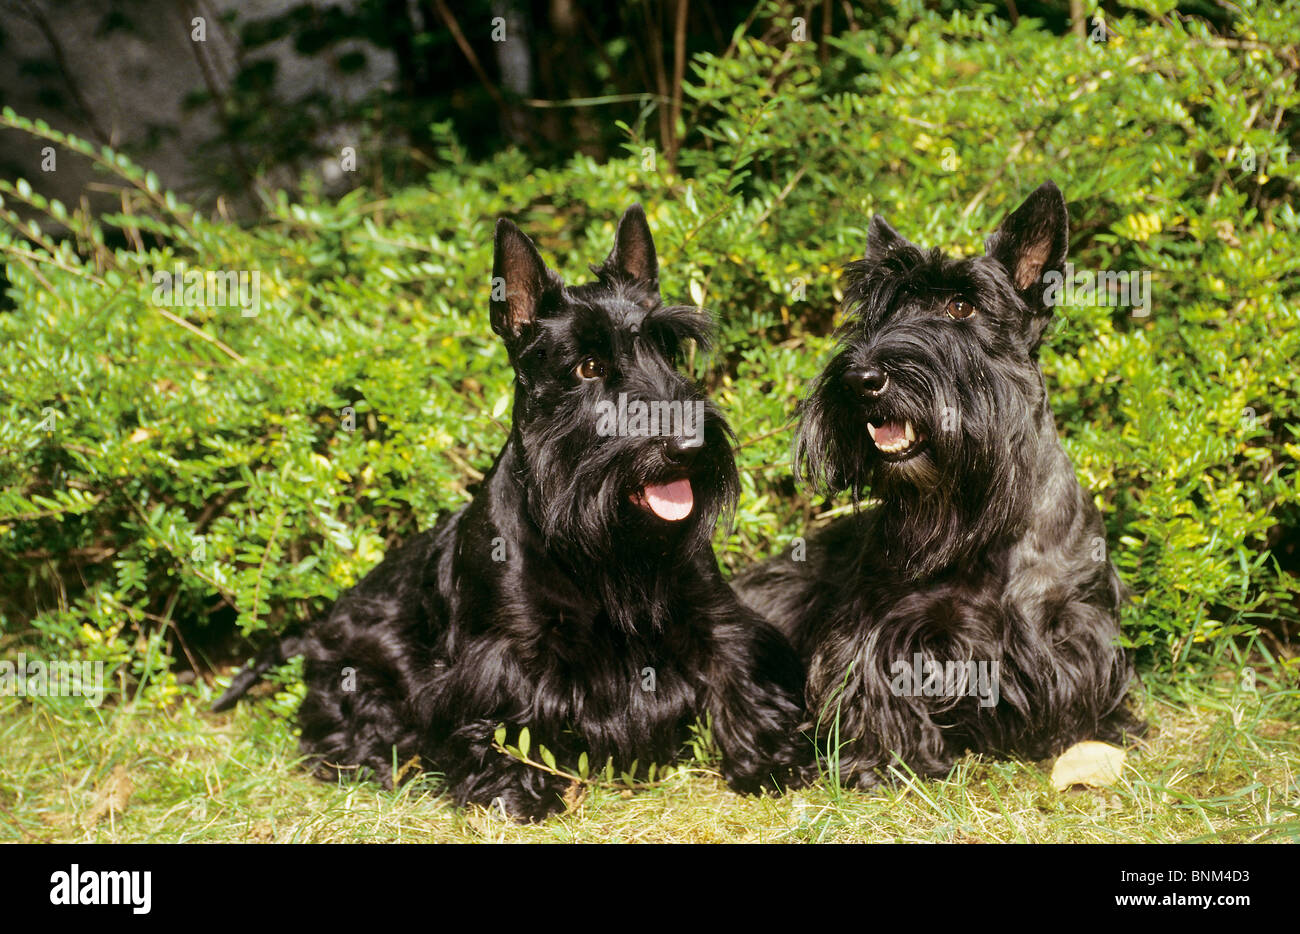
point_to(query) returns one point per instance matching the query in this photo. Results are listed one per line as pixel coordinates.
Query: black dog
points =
(578, 594)
(974, 607)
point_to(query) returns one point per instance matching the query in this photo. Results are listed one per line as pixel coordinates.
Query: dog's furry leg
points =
(755, 700)
(478, 773)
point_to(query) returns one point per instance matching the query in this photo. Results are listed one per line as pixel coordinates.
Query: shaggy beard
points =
(933, 520)
(579, 497)
(945, 506)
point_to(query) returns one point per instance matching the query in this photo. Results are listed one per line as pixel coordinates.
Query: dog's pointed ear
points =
(881, 238)
(519, 281)
(1032, 242)
(633, 256)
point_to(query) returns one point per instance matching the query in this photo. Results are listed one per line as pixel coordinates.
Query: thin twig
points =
(463, 464)
(980, 195)
(220, 106)
(215, 342)
(679, 73)
(468, 51)
(743, 30)
(42, 280)
(53, 260)
(46, 30)
(785, 192)
(754, 439)
(167, 620)
(596, 780)
(595, 101)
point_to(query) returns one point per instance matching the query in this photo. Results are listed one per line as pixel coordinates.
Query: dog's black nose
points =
(681, 450)
(868, 381)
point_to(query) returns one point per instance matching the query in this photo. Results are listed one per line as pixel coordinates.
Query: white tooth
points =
(911, 435)
(871, 430)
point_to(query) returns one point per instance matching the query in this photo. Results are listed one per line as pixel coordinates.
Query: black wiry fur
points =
(444, 642)
(982, 545)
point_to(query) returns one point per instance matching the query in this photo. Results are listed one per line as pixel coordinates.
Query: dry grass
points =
(1221, 766)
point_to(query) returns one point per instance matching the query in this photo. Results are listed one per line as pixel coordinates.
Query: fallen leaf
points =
(111, 798)
(411, 764)
(574, 795)
(1089, 763)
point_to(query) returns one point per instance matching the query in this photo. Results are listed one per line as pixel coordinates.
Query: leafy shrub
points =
(170, 473)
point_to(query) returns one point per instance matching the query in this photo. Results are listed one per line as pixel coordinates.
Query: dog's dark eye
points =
(960, 308)
(591, 368)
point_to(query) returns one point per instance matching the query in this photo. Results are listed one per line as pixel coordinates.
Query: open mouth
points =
(672, 501)
(896, 440)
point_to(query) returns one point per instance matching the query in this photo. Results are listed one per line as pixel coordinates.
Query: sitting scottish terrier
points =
(577, 595)
(973, 607)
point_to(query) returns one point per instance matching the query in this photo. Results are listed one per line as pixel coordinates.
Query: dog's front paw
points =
(880, 776)
(808, 773)
(775, 780)
(788, 768)
(525, 807)
(515, 792)
(870, 780)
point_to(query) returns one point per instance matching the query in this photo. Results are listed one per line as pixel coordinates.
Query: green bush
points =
(168, 472)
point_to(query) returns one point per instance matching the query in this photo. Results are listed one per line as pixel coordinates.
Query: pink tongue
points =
(889, 433)
(670, 501)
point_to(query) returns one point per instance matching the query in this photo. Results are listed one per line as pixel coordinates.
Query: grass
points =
(1222, 765)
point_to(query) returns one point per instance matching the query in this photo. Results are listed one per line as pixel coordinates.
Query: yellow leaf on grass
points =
(1090, 763)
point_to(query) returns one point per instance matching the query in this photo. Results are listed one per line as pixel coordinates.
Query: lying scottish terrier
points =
(974, 606)
(577, 595)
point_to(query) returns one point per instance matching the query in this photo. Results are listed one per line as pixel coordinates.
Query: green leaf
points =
(500, 406)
